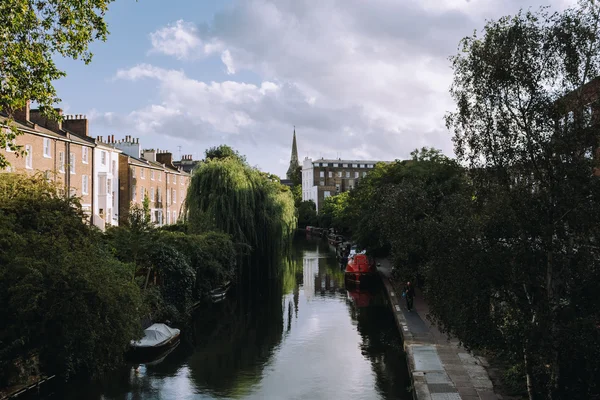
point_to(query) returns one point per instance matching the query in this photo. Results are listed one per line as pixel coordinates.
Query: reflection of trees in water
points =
(381, 343)
(235, 342)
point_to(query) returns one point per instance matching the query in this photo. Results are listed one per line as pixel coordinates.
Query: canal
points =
(309, 338)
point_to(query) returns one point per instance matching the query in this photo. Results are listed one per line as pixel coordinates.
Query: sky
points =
(359, 79)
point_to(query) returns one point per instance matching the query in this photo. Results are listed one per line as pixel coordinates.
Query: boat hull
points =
(149, 353)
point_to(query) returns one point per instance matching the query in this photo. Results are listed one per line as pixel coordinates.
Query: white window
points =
(345, 165)
(160, 176)
(152, 174)
(354, 165)
(362, 165)
(84, 155)
(142, 173)
(151, 194)
(335, 165)
(174, 196)
(159, 194)
(175, 179)
(168, 196)
(322, 183)
(347, 174)
(174, 217)
(61, 162)
(133, 193)
(84, 184)
(168, 216)
(28, 156)
(364, 173)
(113, 199)
(370, 166)
(47, 153)
(103, 157)
(108, 186)
(167, 178)
(182, 180)
(330, 174)
(114, 167)
(133, 172)
(355, 175)
(322, 174)
(72, 163)
(326, 194)
(339, 174)
(142, 193)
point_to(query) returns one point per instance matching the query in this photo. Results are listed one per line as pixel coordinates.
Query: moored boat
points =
(360, 268)
(157, 338)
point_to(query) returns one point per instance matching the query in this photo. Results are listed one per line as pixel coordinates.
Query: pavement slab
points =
(440, 368)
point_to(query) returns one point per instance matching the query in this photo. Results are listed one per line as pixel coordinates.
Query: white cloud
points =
(179, 39)
(361, 80)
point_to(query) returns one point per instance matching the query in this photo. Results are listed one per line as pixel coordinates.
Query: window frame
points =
(46, 141)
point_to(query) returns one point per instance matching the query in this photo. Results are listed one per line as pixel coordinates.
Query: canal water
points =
(309, 338)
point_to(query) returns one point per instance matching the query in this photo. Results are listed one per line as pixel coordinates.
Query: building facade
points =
(51, 148)
(324, 178)
(106, 182)
(150, 173)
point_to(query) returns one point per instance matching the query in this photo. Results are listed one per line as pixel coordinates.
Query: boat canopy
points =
(155, 335)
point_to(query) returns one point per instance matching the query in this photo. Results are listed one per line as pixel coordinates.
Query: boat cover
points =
(156, 334)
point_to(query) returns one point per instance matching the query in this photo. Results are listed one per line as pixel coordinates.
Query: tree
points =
(515, 89)
(33, 32)
(307, 214)
(223, 151)
(63, 295)
(228, 195)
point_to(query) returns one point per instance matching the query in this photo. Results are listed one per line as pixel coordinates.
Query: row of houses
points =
(109, 176)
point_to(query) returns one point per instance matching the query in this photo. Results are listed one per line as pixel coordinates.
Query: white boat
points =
(157, 337)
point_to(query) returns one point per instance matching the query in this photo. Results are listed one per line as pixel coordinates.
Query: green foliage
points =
(228, 195)
(223, 151)
(333, 212)
(212, 257)
(33, 32)
(530, 256)
(307, 214)
(62, 294)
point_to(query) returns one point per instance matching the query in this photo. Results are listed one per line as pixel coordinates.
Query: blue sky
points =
(360, 79)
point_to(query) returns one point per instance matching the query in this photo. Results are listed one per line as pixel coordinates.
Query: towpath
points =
(440, 368)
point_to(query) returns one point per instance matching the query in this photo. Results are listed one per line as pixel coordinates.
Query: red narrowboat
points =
(360, 268)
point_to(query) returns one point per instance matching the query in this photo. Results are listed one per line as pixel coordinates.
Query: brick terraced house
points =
(150, 173)
(55, 149)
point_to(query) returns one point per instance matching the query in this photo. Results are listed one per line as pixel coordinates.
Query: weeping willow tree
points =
(253, 207)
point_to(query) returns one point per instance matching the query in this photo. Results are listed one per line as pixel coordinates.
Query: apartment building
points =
(324, 178)
(54, 149)
(150, 173)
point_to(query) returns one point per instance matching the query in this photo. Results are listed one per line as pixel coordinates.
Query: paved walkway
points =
(440, 368)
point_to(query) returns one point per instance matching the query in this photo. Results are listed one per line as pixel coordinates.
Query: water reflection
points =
(305, 337)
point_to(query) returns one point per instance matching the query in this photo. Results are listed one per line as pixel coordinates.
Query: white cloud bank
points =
(359, 79)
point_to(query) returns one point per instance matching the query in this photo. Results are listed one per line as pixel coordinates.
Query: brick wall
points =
(37, 161)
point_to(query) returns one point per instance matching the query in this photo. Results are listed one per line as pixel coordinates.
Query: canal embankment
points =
(439, 367)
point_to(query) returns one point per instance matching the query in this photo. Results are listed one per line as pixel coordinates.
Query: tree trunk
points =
(528, 373)
(554, 356)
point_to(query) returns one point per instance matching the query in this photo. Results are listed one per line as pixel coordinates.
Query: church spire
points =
(294, 163)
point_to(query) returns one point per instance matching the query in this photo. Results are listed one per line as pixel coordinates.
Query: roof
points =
(338, 161)
(152, 164)
(33, 128)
